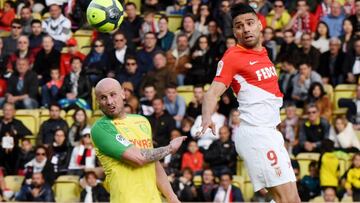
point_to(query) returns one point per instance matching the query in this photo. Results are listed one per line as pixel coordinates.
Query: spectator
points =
(352, 104)
(226, 191)
(344, 136)
(302, 82)
(328, 165)
(22, 51)
(130, 73)
(50, 91)
(40, 164)
(172, 162)
(164, 36)
(322, 36)
(289, 127)
(162, 123)
(152, 5)
(10, 42)
(93, 191)
(76, 89)
(65, 58)
(200, 63)
(2, 59)
(60, 152)
(329, 195)
(207, 138)
(234, 121)
(38, 191)
(230, 42)
(131, 25)
(221, 154)
(178, 8)
(216, 42)
(96, 63)
(335, 19)
(174, 104)
(80, 122)
(11, 131)
(203, 19)
(118, 55)
(312, 131)
(323, 9)
(149, 92)
(57, 26)
(352, 179)
(302, 21)
(317, 96)
(22, 86)
(330, 67)
(307, 52)
(48, 127)
(83, 156)
(354, 18)
(193, 158)
(347, 38)
(179, 57)
(224, 18)
(184, 187)
(261, 7)
(227, 102)
(312, 182)
(26, 154)
(130, 99)
(7, 15)
(149, 24)
(194, 107)
(288, 47)
(287, 74)
(351, 66)
(207, 186)
(145, 56)
(188, 29)
(162, 76)
(279, 17)
(36, 36)
(26, 19)
(47, 58)
(269, 43)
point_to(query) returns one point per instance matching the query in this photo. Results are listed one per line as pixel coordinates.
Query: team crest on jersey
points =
(219, 67)
(144, 128)
(122, 140)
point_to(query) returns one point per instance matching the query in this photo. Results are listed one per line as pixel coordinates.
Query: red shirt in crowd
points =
(65, 66)
(194, 161)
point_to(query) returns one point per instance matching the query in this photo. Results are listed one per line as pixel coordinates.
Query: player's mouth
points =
(112, 109)
(249, 38)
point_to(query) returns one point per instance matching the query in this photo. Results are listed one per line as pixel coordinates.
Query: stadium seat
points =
(347, 199)
(95, 105)
(186, 92)
(304, 160)
(46, 15)
(14, 182)
(96, 115)
(248, 191)
(175, 22)
(4, 34)
(329, 91)
(83, 38)
(30, 118)
(36, 16)
(239, 182)
(67, 189)
(343, 91)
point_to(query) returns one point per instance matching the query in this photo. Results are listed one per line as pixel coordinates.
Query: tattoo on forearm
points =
(156, 154)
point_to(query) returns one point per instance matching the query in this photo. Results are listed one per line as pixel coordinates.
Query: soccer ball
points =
(105, 15)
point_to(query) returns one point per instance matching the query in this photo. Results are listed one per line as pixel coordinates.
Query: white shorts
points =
(262, 149)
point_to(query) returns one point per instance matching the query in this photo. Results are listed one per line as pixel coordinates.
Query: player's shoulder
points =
(101, 124)
(136, 117)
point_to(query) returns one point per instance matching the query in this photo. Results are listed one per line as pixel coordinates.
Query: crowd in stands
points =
(313, 44)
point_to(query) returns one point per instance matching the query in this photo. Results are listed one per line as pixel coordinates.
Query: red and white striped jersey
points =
(253, 78)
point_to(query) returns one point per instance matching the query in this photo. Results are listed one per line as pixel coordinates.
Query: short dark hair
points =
(16, 21)
(240, 9)
(90, 173)
(54, 104)
(304, 62)
(75, 58)
(132, 57)
(199, 86)
(313, 164)
(35, 21)
(226, 173)
(171, 86)
(157, 98)
(150, 33)
(149, 85)
(131, 4)
(164, 17)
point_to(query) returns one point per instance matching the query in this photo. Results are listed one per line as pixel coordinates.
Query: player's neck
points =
(257, 47)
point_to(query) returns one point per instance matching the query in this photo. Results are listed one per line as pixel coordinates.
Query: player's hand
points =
(173, 199)
(206, 123)
(176, 143)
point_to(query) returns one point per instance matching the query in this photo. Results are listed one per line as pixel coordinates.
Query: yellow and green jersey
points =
(111, 138)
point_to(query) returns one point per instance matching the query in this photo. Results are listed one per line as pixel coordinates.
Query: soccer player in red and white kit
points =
(249, 71)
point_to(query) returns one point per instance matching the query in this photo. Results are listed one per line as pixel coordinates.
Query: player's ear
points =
(260, 24)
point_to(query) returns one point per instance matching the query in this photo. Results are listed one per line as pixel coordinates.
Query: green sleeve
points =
(107, 139)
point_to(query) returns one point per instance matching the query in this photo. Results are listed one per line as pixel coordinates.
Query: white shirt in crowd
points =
(346, 138)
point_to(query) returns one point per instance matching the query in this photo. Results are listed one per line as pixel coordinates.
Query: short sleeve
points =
(225, 69)
(107, 139)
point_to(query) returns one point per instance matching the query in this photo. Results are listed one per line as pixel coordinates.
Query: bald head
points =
(110, 96)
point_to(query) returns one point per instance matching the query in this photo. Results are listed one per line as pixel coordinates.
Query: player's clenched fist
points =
(176, 143)
(205, 124)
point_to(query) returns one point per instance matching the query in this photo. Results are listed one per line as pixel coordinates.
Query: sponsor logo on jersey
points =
(266, 73)
(122, 140)
(253, 63)
(219, 67)
(142, 143)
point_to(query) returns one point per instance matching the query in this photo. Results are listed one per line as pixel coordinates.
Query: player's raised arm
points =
(210, 99)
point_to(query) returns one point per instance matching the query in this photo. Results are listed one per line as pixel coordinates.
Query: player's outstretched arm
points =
(210, 99)
(139, 157)
(163, 184)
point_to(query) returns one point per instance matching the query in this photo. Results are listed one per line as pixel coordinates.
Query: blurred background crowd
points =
(165, 55)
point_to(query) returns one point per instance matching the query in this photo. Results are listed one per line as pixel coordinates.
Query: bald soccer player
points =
(123, 144)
